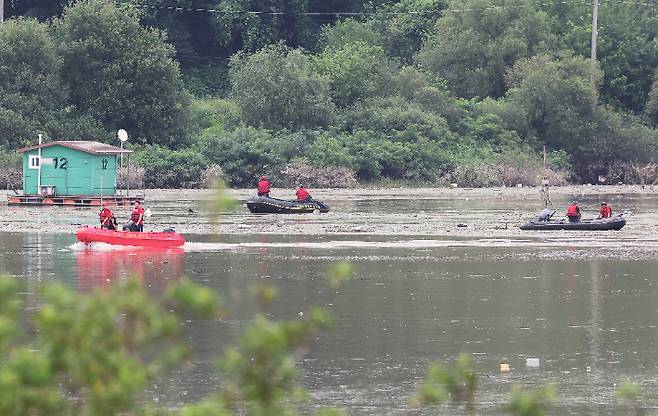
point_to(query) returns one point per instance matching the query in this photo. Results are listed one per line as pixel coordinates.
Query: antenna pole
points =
(595, 34)
(39, 167)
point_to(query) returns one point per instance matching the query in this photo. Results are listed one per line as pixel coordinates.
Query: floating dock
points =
(73, 200)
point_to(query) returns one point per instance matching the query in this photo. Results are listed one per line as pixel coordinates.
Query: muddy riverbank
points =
(492, 212)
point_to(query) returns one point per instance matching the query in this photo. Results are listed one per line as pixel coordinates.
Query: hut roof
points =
(95, 148)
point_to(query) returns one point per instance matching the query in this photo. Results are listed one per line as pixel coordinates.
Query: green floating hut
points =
(70, 173)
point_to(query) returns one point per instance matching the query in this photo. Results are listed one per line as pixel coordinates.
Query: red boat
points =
(128, 238)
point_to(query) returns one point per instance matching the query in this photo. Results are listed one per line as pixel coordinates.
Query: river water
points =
(572, 308)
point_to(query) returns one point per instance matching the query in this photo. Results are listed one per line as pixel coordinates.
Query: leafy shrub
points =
(244, 154)
(107, 346)
(205, 81)
(397, 119)
(215, 114)
(166, 168)
(330, 150)
(376, 157)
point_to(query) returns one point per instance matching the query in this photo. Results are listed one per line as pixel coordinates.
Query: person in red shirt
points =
(573, 212)
(106, 217)
(137, 217)
(303, 195)
(605, 211)
(263, 187)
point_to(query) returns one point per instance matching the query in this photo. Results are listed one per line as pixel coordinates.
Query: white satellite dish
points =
(123, 135)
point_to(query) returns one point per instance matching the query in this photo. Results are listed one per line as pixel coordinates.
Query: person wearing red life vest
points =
(573, 212)
(303, 195)
(605, 211)
(263, 187)
(137, 217)
(106, 217)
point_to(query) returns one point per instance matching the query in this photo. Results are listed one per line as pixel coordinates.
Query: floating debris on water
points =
(532, 362)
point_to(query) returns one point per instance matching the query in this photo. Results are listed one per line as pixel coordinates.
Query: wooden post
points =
(128, 182)
(39, 167)
(545, 196)
(2, 10)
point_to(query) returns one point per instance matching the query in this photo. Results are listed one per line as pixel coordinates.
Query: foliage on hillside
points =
(431, 91)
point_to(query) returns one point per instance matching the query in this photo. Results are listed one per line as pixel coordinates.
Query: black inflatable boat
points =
(267, 205)
(605, 224)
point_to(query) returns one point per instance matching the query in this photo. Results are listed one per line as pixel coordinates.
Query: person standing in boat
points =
(137, 217)
(303, 195)
(263, 187)
(106, 217)
(573, 212)
(605, 211)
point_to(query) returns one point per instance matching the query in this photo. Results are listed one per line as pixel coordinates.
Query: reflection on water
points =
(589, 322)
(155, 267)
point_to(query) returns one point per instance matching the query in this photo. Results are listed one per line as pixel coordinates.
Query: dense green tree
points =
(555, 100)
(616, 139)
(31, 90)
(418, 87)
(190, 28)
(569, 20)
(627, 54)
(472, 47)
(335, 37)
(652, 105)
(238, 30)
(39, 9)
(395, 138)
(276, 88)
(404, 25)
(356, 71)
(561, 110)
(121, 73)
(626, 49)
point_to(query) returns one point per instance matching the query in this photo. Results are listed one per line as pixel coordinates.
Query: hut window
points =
(33, 162)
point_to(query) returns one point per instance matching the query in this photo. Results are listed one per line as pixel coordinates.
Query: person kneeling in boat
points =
(573, 212)
(136, 222)
(107, 218)
(303, 195)
(263, 187)
(605, 211)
